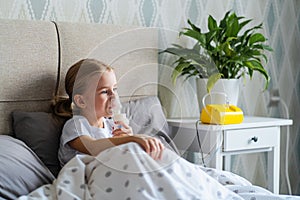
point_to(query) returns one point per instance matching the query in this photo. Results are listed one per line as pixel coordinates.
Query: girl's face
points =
(98, 95)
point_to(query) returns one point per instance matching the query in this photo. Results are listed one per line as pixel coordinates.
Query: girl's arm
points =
(89, 145)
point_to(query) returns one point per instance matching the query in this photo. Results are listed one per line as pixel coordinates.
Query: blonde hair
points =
(76, 80)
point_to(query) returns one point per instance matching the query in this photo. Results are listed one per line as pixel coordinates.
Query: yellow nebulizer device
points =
(222, 114)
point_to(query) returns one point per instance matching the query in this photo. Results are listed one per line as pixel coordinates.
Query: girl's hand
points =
(153, 146)
(125, 130)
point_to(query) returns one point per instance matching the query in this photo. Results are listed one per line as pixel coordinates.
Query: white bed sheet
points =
(127, 172)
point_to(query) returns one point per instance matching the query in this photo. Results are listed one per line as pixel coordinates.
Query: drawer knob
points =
(254, 139)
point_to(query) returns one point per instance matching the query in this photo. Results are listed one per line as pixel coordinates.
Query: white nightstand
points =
(255, 134)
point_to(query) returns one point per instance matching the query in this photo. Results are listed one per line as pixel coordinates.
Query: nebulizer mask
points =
(118, 116)
(220, 113)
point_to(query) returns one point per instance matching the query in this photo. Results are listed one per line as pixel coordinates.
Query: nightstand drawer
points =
(245, 139)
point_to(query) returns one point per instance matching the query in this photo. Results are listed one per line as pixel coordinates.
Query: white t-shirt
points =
(77, 126)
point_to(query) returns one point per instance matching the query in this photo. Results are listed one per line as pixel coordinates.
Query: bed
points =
(35, 56)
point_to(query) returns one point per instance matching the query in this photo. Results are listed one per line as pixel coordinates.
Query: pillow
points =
(147, 117)
(41, 132)
(21, 171)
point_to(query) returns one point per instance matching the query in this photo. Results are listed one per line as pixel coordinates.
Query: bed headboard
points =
(35, 56)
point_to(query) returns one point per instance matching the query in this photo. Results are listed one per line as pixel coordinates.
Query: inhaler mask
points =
(116, 111)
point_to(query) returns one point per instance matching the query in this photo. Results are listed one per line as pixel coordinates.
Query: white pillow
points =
(146, 116)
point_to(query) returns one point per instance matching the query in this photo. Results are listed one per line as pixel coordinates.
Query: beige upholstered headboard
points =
(35, 55)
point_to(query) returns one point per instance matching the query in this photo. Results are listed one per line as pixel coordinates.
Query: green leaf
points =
(194, 27)
(179, 51)
(256, 37)
(212, 81)
(244, 23)
(228, 50)
(224, 20)
(212, 24)
(210, 36)
(265, 57)
(267, 47)
(257, 66)
(234, 29)
(178, 70)
(194, 34)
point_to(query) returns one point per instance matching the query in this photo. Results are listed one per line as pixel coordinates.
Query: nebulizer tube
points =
(220, 93)
(118, 116)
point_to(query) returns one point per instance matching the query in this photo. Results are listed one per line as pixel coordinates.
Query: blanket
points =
(127, 172)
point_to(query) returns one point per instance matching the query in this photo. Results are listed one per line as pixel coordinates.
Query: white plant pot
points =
(224, 90)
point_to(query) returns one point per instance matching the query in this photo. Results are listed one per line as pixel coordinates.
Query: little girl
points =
(138, 168)
(91, 85)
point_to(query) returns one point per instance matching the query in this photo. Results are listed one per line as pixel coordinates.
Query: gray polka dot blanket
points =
(126, 172)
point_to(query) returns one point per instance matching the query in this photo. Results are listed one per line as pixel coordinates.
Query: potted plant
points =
(224, 51)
